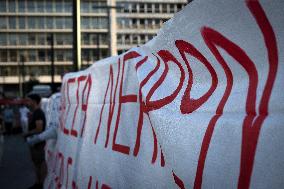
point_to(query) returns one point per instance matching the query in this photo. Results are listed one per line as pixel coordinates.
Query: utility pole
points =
(52, 61)
(76, 35)
(50, 38)
(98, 46)
(22, 76)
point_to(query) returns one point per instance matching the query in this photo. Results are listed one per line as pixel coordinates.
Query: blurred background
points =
(40, 40)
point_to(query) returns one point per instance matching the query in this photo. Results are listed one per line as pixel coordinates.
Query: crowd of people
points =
(31, 120)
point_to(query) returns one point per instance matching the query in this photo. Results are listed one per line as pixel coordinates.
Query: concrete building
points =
(27, 26)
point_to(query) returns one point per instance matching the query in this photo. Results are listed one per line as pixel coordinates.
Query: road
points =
(16, 168)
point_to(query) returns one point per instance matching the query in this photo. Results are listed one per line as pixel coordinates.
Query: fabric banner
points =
(198, 106)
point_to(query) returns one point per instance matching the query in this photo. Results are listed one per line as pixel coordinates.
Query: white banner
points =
(199, 106)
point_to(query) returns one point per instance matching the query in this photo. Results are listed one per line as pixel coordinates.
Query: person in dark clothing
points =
(37, 125)
(8, 116)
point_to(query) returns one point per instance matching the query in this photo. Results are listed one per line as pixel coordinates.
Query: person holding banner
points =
(50, 134)
(37, 125)
(52, 118)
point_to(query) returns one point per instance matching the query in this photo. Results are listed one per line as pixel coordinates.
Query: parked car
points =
(42, 90)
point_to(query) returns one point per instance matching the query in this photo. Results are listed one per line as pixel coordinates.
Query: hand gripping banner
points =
(198, 106)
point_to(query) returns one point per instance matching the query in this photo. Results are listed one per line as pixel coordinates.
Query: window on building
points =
(32, 55)
(31, 39)
(13, 39)
(59, 55)
(95, 39)
(68, 55)
(40, 6)
(135, 39)
(179, 7)
(49, 22)
(96, 54)
(156, 7)
(33, 70)
(120, 23)
(99, 4)
(126, 8)
(59, 6)
(127, 39)
(68, 23)
(59, 21)
(164, 8)
(85, 23)
(31, 23)
(23, 39)
(12, 23)
(21, 6)
(48, 52)
(85, 6)
(3, 22)
(104, 39)
(103, 23)
(122, 7)
(31, 6)
(44, 70)
(149, 8)
(142, 39)
(85, 38)
(41, 39)
(22, 22)
(12, 5)
(59, 70)
(41, 55)
(48, 6)
(3, 39)
(127, 23)
(119, 39)
(22, 55)
(172, 8)
(142, 23)
(41, 22)
(2, 6)
(68, 39)
(59, 39)
(13, 55)
(156, 23)
(68, 6)
(85, 55)
(134, 8)
(104, 53)
(94, 22)
(134, 23)
(142, 8)
(3, 56)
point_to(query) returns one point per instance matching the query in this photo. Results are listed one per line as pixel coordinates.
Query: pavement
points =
(16, 168)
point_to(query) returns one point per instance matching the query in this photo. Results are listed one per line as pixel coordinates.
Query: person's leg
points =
(37, 165)
(8, 126)
(1, 148)
(43, 172)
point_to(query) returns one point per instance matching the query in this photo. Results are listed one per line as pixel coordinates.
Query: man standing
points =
(24, 111)
(36, 126)
(8, 117)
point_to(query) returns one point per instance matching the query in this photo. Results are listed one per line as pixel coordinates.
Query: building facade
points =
(27, 26)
